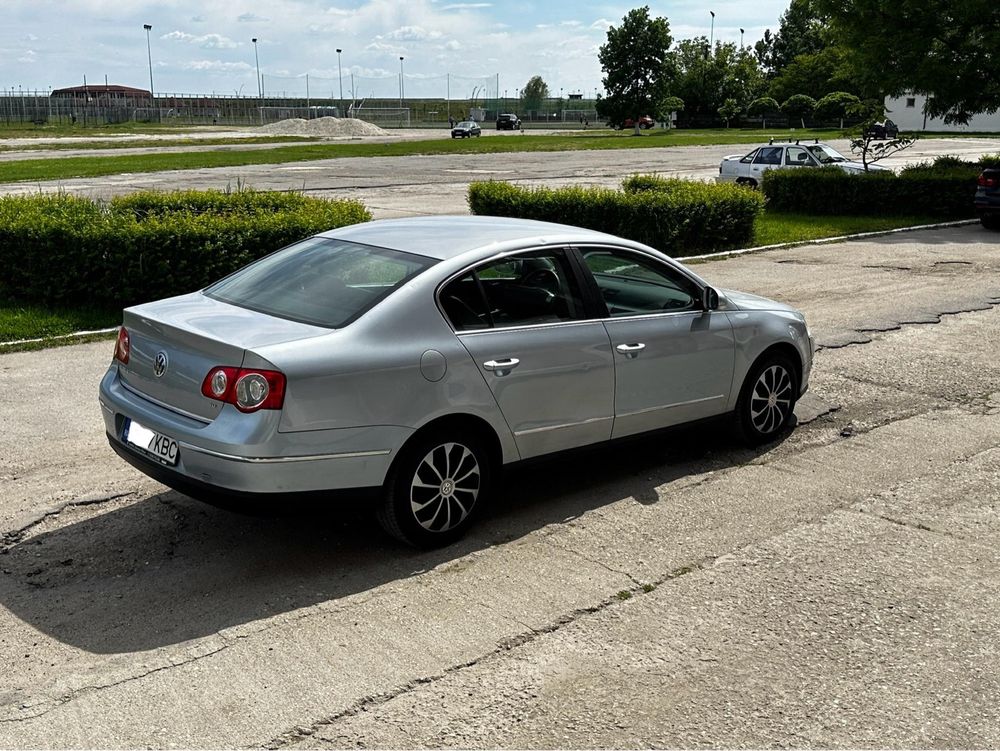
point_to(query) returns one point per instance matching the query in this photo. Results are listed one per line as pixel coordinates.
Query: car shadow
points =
(168, 569)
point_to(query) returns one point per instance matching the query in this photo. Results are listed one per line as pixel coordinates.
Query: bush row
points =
(942, 189)
(678, 217)
(60, 249)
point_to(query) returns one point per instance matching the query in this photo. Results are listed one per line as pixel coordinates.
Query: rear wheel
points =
(747, 181)
(990, 221)
(436, 489)
(767, 400)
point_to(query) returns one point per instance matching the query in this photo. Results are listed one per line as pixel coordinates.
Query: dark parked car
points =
(988, 198)
(645, 122)
(883, 130)
(508, 122)
(466, 129)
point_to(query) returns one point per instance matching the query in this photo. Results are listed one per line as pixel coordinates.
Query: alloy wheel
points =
(445, 487)
(771, 399)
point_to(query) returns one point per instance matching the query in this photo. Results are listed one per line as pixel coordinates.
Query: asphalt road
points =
(837, 588)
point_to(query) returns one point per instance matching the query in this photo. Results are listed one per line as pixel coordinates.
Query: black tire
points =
(747, 181)
(767, 399)
(990, 221)
(417, 491)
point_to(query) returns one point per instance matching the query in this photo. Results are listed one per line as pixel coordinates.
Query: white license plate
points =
(162, 447)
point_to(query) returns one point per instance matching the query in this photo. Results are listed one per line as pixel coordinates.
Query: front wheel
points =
(767, 400)
(991, 221)
(436, 490)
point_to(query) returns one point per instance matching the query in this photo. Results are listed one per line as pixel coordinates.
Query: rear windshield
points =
(320, 281)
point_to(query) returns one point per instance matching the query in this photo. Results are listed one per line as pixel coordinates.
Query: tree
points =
(946, 49)
(763, 107)
(800, 106)
(866, 146)
(836, 106)
(670, 105)
(815, 74)
(637, 67)
(705, 81)
(534, 93)
(800, 32)
(729, 110)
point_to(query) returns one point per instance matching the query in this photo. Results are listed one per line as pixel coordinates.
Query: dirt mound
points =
(324, 126)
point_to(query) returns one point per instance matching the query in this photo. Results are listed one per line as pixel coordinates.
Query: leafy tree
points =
(816, 74)
(637, 67)
(534, 93)
(730, 110)
(706, 81)
(836, 105)
(800, 32)
(947, 49)
(671, 104)
(800, 106)
(763, 107)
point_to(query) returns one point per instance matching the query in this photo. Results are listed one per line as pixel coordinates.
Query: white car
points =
(750, 169)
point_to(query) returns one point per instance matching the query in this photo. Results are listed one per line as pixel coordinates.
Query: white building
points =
(907, 112)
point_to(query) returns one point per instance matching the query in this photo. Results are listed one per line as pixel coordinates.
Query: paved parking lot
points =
(835, 589)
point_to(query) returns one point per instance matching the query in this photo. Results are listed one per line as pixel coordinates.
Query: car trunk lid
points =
(175, 342)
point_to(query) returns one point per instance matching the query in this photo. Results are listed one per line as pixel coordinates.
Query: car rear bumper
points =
(244, 454)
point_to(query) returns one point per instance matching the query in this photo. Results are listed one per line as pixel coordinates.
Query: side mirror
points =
(709, 299)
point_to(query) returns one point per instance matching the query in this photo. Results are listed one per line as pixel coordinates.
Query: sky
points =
(449, 47)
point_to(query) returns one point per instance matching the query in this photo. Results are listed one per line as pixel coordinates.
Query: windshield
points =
(465, 124)
(321, 281)
(825, 154)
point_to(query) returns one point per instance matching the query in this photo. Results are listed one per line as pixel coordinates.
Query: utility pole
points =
(340, 73)
(260, 81)
(401, 82)
(149, 54)
(711, 36)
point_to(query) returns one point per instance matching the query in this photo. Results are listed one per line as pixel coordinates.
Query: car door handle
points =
(501, 367)
(631, 350)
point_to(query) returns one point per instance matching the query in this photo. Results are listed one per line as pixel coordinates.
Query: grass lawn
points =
(93, 166)
(30, 322)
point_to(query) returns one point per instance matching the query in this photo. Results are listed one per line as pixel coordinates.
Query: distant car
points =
(749, 169)
(508, 122)
(422, 355)
(466, 129)
(987, 198)
(883, 130)
(645, 122)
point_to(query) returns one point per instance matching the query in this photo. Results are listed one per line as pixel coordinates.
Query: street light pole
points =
(149, 54)
(401, 82)
(260, 84)
(340, 73)
(711, 36)
(741, 38)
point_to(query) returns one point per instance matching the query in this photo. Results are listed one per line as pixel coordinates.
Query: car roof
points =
(444, 237)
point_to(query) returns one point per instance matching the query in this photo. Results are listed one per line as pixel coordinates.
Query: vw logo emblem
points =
(160, 364)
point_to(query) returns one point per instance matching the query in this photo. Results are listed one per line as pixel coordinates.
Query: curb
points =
(824, 240)
(74, 335)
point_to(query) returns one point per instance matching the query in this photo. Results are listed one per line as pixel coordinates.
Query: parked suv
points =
(508, 122)
(988, 198)
(883, 130)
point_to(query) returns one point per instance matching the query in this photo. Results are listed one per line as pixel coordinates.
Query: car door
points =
(522, 319)
(797, 156)
(767, 157)
(673, 359)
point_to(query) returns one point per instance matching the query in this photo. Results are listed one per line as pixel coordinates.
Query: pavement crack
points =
(909, 524)
(11, 538)
(611, 569)
(70, 696)
(932, 319)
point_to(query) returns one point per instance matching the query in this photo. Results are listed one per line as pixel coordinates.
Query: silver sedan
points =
(420, 356)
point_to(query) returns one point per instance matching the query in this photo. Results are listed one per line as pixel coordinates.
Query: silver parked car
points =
(419, 356)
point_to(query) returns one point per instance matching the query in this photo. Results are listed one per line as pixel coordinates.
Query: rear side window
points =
(321, 281)
(768, 155)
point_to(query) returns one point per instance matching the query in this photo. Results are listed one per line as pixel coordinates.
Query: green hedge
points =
(678, 217)
(944, 189)
(65, 250)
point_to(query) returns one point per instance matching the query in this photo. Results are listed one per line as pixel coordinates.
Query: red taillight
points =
(247, 389)
(988, 182)
(123, 346)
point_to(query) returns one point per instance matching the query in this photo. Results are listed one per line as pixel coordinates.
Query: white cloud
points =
(572, 24)
(601, 24)
(29, 57)
(30, 38)
(413, 34)
(453, 44)
(206, 41)
(251, 18)
(217, 66)
(466, 6)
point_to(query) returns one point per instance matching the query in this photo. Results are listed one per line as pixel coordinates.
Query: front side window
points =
(522, 290)
(320, 281)
(749, 157)
(796, 156)
(632, 284)
(826, 155)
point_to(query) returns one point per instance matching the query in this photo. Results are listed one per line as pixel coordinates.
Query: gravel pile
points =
(323, 126)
